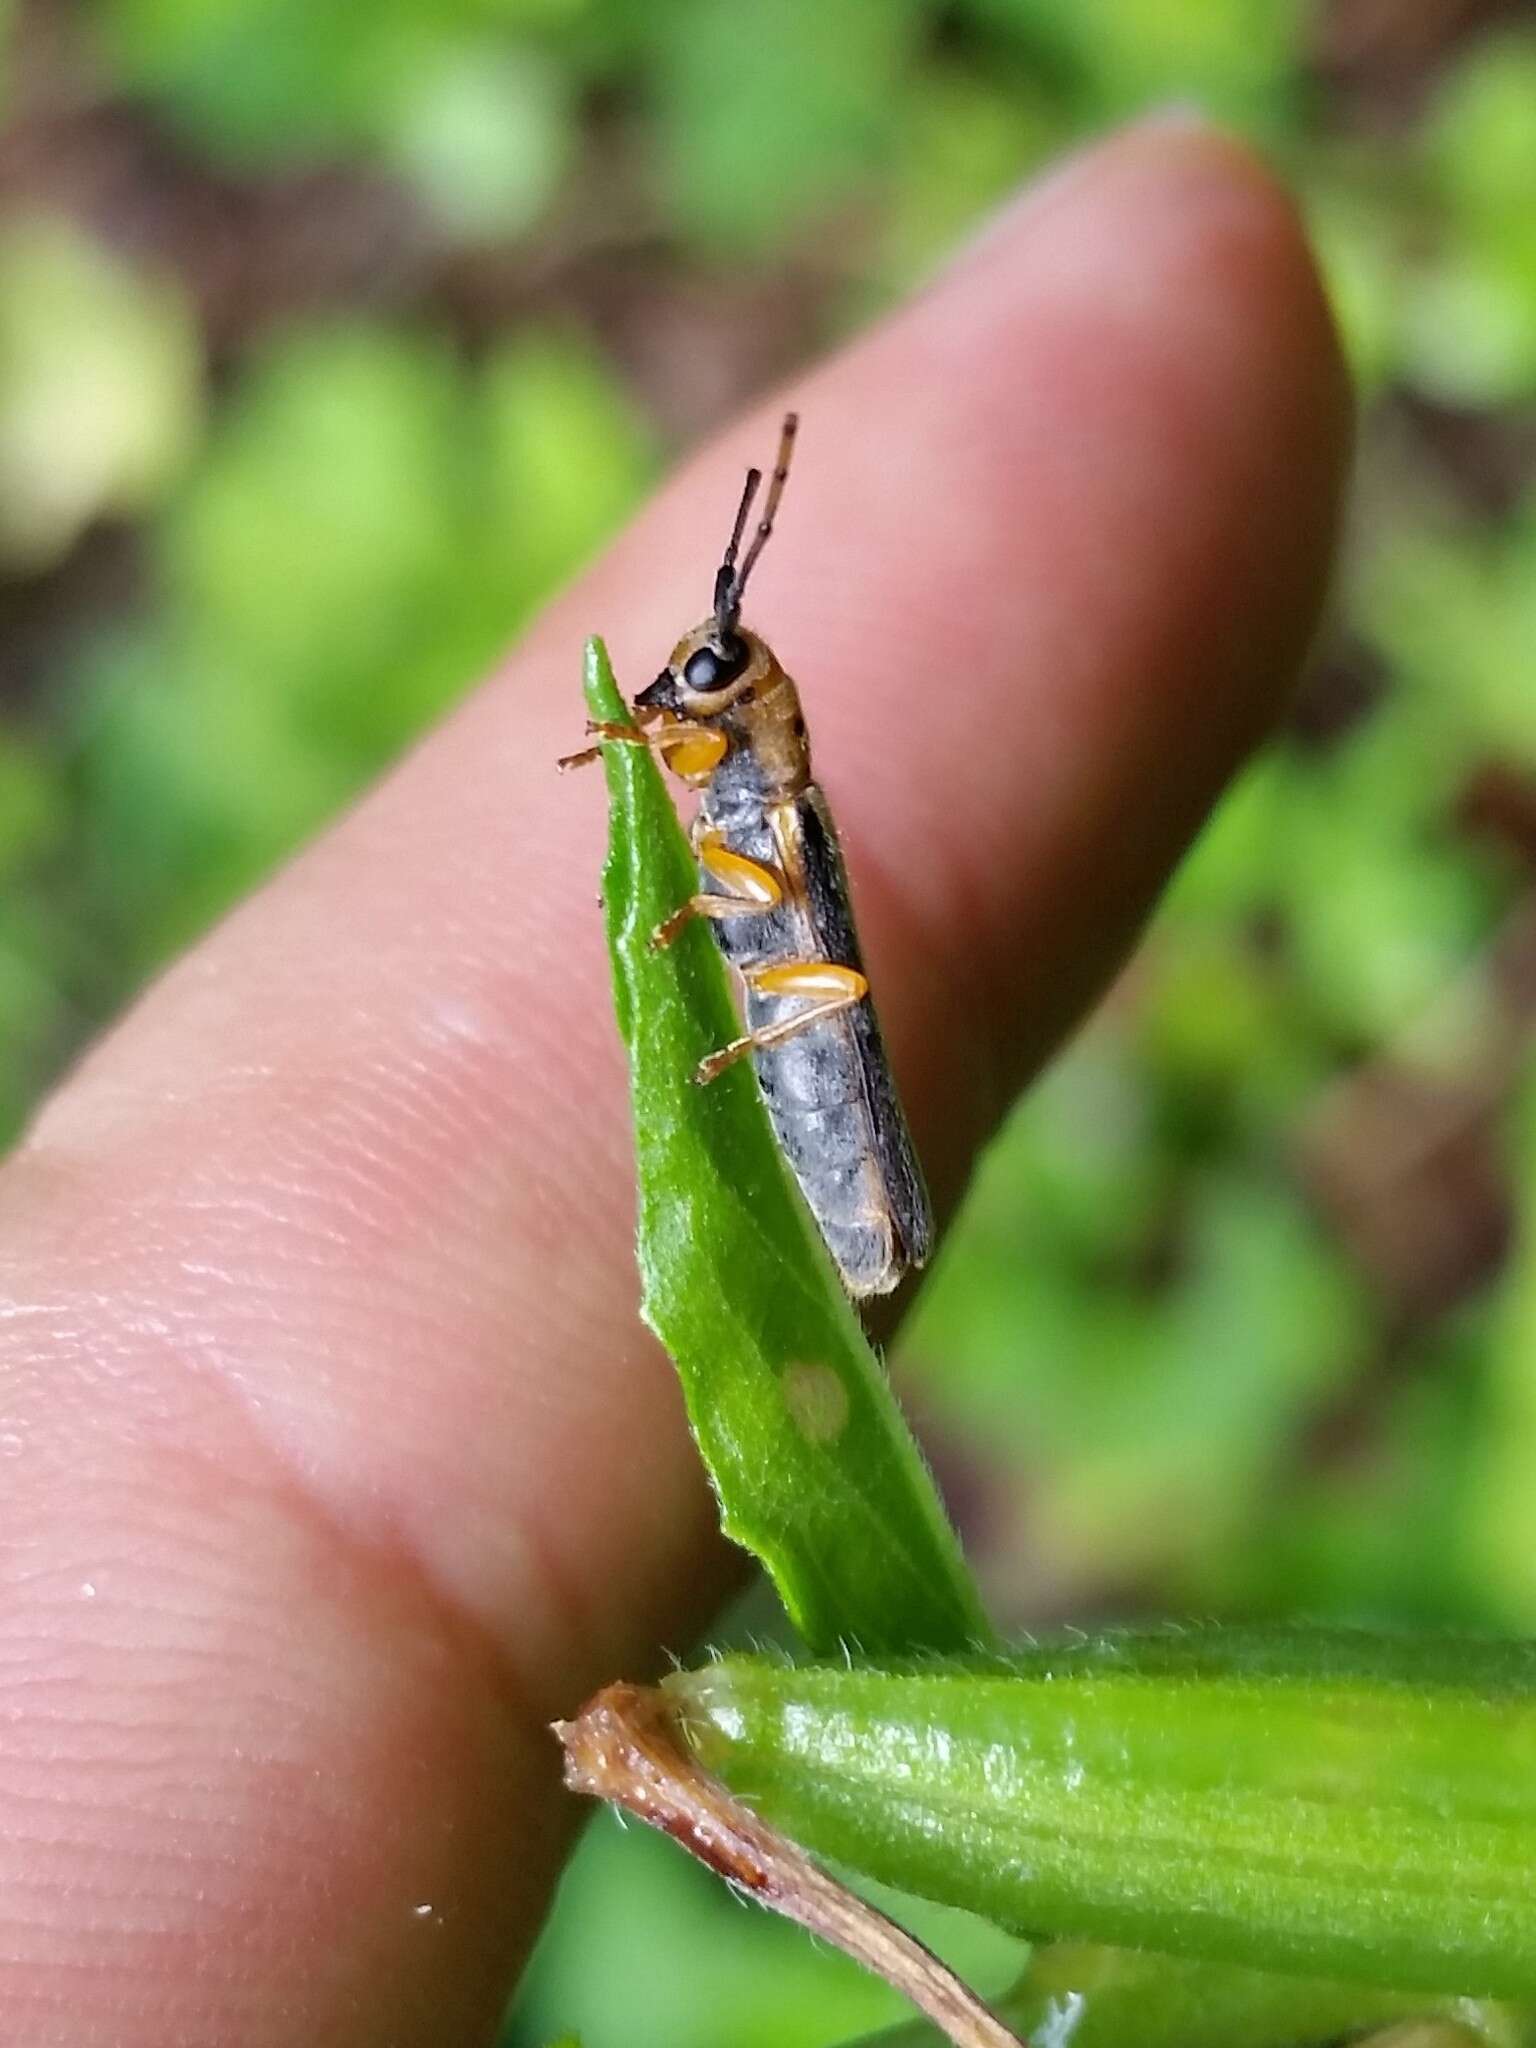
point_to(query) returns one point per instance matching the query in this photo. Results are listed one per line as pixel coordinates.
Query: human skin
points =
(339, 1463)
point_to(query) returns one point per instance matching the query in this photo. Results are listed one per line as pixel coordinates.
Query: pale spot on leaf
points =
(817, 1401)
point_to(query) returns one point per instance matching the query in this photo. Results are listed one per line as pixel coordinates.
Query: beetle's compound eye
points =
(710, 669)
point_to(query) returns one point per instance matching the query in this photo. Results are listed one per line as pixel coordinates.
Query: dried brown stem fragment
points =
(623, 1747)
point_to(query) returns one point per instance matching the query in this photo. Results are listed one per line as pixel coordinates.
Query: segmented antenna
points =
(730, 582)
(727, 591)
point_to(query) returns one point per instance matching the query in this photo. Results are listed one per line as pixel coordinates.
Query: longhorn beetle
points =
(726, 720)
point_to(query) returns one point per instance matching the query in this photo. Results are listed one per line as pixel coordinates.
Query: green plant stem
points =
(1337, 1806)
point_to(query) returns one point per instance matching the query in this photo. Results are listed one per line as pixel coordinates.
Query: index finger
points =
(324, 1354)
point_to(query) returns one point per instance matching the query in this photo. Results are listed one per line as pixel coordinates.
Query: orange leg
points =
(833, 989)
(748, 888)
(604, 729)
(691, 751)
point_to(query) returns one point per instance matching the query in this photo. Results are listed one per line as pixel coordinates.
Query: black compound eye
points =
(709, 669)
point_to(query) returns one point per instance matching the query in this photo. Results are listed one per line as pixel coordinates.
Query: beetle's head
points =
(706, 674)
(719, 661)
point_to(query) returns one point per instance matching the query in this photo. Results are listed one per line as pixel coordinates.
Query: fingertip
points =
(1186, 229)
(1162, 292)
(1085, 492)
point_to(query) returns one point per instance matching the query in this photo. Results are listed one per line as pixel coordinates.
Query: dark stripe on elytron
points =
(826, 883)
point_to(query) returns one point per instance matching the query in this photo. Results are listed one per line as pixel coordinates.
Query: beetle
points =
(726, 719)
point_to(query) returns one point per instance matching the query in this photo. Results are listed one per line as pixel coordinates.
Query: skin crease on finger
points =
(340, 1462)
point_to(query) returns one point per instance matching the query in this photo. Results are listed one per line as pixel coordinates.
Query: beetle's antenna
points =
(771, 502)
(727, 590)
(730, 581)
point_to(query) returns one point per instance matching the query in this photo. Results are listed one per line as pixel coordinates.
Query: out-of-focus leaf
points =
(1383, 906)
(32, 810)
(369, 526)
(1471, 328)
(815, 1471)
(313, 540)
(1480, 140)
(35, 1020)
(1472, 317)
(1175, 1431)
(194, 783)
(422, 85)
(1362, 248)
(1144, 1343)
(566, 456)
(100, 394)
(1384, 1530)
(964, 144)
(1501, 1524)
(483, 134)
(769, 115)
(1116, 57)
(1454, 612)
(257, 79)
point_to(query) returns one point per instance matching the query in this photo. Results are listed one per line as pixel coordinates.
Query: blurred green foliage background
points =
(334, 336)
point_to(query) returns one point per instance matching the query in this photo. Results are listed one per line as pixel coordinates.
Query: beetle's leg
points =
(748, 888)
(832, 989)
(690, 750)
(604, 729)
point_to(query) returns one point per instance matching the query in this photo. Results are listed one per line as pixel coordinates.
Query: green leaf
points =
(1501, 1517)
(484, 133)
(32, 805)
(964, 144)
(814, 1467)
(1116, 57)
(567, 456)
(769, 117)
(100, 389)
(1346, 1806)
